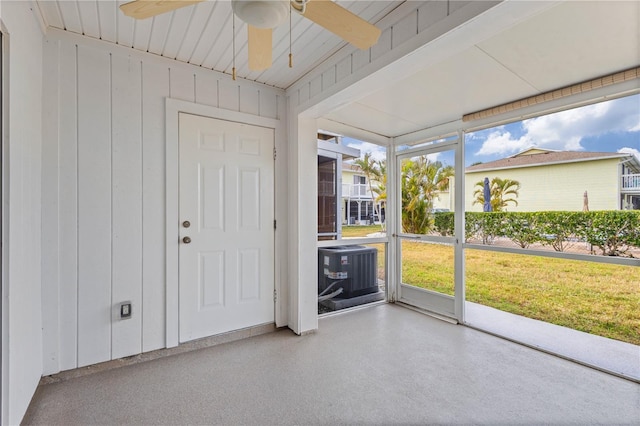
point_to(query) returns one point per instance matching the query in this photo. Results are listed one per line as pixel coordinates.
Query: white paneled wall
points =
(104, 176)
(22, 118)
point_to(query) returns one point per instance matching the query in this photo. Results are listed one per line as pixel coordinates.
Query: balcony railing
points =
(631, 182)
(359, 191)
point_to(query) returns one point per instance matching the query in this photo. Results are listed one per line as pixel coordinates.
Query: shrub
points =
(522, 229)
(613, 232)
(558, 228)
(444, 223)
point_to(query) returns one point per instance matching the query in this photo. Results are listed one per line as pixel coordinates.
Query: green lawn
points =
(593, 297)
(360, 231)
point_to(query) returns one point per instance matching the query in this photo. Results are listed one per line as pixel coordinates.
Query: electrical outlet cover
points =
(125, 310)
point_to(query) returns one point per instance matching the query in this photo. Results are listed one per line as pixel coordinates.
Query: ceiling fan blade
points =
(142, 9)
(260, 46)
(343, 23)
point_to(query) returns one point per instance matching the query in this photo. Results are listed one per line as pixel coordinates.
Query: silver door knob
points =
(186, 240)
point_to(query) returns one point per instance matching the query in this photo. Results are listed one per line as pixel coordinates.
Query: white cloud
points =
(565, 130)
(502, 143)
(634, 151)
(433, 157)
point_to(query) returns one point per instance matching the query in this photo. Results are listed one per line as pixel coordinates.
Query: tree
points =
(421, 180)
(372, 171)
(503, 192)
(381, 188)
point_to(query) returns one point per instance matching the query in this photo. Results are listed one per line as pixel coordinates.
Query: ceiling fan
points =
(262, 16)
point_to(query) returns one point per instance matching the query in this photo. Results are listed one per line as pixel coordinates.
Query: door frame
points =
(450, 307)
(172, 109)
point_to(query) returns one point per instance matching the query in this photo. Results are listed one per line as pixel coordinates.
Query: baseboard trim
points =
(193, 345)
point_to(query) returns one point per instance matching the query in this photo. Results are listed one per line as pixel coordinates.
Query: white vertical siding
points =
(21, 213)
(182, 84)
(107, 238)
(66, 165)
(94, 206)
(229, 92)
(126, 172)
(207, 90)
(155, 88)
(51, 264)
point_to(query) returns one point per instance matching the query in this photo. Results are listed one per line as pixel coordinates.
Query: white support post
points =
(303, 224)
(459, 207)
(338, 195)
(391, 215)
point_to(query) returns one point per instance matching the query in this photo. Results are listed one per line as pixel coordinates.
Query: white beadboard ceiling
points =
(202, 34)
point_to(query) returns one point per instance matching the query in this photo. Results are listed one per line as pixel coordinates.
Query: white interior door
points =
(226, 226)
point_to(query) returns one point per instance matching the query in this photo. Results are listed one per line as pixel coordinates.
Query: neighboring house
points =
(444, 200)
(357, 199)
(549, 180)
(338, 179)
(557, 180)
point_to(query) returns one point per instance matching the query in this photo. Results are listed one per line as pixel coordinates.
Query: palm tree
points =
(503, 192)
(421, 180)
(381, 188)
(370, 168)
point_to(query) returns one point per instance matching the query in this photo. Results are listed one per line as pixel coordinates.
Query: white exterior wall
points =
(104, 180)
(443, 200)
(21, 303)
(557, 187)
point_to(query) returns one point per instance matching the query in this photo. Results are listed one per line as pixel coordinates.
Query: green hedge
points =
(613, 233)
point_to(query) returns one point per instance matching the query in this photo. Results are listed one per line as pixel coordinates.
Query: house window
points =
(327, 198)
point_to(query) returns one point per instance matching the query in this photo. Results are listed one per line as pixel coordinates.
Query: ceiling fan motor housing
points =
(261, 13)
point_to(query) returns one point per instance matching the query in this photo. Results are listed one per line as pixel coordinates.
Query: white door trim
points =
(172, 108)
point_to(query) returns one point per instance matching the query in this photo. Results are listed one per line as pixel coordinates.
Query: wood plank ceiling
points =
(202, 35)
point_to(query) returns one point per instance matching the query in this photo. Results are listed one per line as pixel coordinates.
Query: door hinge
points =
(274, 154)
(275, 295)
(274, 224)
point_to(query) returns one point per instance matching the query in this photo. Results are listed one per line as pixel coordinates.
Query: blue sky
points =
(610, 126)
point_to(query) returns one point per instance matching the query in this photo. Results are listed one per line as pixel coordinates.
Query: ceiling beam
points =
(353, 132)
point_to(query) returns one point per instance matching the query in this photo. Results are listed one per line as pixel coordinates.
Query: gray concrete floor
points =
(380, 365)
(600, 352)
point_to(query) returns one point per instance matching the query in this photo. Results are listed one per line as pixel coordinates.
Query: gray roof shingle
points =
(544, 158)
